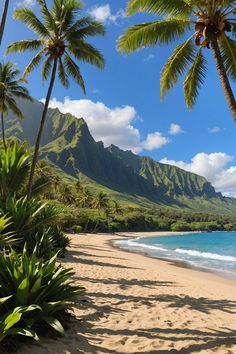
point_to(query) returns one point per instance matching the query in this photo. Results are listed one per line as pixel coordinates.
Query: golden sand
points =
(135, 304)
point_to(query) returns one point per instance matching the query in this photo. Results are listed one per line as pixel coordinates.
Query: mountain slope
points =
(68, 143)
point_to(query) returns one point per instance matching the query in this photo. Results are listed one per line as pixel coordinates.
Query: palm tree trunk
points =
(37, 144)
(228, 92)
(3, 132)
(3, 19)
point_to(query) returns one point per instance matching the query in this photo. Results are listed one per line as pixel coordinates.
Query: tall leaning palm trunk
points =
(60, 37)
(3, 19)
(43, 119)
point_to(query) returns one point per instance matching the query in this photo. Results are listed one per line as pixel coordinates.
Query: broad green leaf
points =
(54, 323)
(10, 321)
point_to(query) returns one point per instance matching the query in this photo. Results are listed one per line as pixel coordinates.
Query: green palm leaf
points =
(194, 79)
(176, 65)
(151, 33)
(10, 88)
(30, 19)
(74, 71)
(47, 17)
(228, 52)
(62, 74)
(47, 66)
(87, 53)
(85, 27)
(33, 63)
(159, 7)
(13, 106)
(22, 46)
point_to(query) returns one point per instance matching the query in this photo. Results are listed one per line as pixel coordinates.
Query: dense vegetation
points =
(88, 211)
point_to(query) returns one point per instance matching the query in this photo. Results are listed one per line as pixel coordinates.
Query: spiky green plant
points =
(213, 26)
(14, 169)
(10, 88)
(61, 35)
(6, 238)
(39, 292)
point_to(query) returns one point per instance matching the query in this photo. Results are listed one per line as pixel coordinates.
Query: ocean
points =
(212, 251)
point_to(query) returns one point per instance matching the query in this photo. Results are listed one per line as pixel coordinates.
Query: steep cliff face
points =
(68, 143)
(170, 179)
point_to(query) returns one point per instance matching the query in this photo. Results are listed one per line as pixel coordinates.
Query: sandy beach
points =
(135, 304)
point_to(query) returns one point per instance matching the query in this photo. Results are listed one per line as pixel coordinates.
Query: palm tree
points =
(213, 26)
(100, 202)
(60, 37)
(116, 209)
(10, 88)
(3, 19)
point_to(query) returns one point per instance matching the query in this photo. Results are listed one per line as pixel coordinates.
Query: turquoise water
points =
(214, 251)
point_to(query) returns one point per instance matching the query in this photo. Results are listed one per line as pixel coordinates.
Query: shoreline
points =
(176, 263)
(140, 305)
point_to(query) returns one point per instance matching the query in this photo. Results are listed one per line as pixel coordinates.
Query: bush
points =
(38, 294)
(51, 240)
(77, 229)
(180, 226)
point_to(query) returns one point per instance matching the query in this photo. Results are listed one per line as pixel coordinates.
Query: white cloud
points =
(214, 167)
(175, 129)
(26, 3)
(103, 13)
(155, 141)
(149, 57)
(111, 125)
(214, 130)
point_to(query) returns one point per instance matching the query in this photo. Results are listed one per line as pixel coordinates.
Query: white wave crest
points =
(206, 255)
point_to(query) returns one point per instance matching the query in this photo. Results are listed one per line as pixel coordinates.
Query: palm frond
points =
(85, 28)
(13, 106)
(47, 16)
(149, 34)
(159, 7)
(27, 16)
(46, 69)
(22, 46)
(65, 13)
(74, 71)
(86, 24)
(194, 79)
(33, 63)
(176, 65)
(87, 53)
(228, 53)
(63, 77)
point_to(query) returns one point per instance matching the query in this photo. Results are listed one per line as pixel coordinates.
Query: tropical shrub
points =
(29, 285)
(14, 169)
(6, 238)
(77, 229)
(9, 321)
(52, 240)
(180, 226)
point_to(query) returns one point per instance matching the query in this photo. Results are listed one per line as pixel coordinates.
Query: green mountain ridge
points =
(68, 144)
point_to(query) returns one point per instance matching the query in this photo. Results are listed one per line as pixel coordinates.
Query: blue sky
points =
(123, 105)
